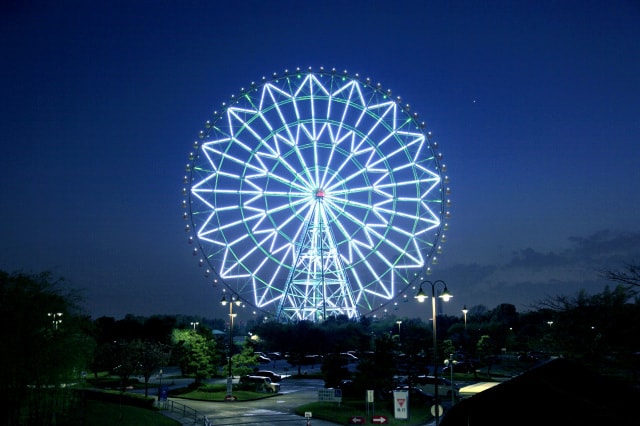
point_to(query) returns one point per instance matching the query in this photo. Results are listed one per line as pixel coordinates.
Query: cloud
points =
(531, 275)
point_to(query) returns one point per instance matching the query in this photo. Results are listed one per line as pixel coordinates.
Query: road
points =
(276, 410)
(271, 411)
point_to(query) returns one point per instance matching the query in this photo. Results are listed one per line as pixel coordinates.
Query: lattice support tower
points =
(317, 286)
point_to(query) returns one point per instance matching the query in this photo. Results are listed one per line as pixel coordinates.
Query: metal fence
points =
(185, 412)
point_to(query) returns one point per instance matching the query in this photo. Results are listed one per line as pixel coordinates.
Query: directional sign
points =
(330, 394)
(164, 392)
(357, 420)
(401, 404)
(379, 420)
(437, 407)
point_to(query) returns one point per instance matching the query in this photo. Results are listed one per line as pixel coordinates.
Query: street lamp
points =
(444, 295)
(453, 401)
(399, 335)
(194, 324)
(464, 312)
(55, 319)
(160, 386)
(233, 301)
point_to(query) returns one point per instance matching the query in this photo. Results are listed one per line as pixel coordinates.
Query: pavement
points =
(194, 413)
(188, 412)
(301, 421)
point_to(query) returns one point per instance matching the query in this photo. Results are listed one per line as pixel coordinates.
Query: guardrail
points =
(185, 412)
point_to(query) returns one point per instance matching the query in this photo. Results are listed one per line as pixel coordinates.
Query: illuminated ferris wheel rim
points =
(265, 164)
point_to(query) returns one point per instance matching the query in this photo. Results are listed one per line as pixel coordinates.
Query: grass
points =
(332, 411)
(99, 413)
(217, 392)
(109, 414)
(418, 415)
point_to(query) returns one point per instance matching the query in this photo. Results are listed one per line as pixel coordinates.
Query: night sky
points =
(534, 105)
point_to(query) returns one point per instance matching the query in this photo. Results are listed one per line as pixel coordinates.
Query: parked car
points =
(311, 360)
(400, 380)
(258, 384)
(275, 377)
(349, 357)
(263, 359)
(527, 357)
(417, 395)
(460, 367)
(445, 387)
(274, 355)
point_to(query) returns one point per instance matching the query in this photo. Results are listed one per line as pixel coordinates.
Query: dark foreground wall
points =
(558, 392)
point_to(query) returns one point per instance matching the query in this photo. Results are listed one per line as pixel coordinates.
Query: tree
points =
(46, 343)
(196, 354)
(304, 337)
(447, 348)
(416, 345)
(630, 278)
(153, 356)
(125, 360)
(377, 372)
(244, 362)
(334, 369)
(592, 328)
(158, 328)
(486, 349)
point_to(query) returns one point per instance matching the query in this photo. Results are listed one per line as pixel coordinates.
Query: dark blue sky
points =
(534, 104)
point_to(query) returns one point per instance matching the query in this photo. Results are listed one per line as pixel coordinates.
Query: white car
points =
(445, 387)
(258, 384)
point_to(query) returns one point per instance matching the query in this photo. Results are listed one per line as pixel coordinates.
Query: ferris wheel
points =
(315, 194)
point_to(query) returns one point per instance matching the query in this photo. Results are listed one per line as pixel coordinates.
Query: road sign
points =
(379, 420)
(370, 395)
(401, 404)
(357, 420)
(437, 407)
(330, 394)
(164, 392)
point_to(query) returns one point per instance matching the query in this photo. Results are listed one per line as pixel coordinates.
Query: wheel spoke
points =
(314, 194)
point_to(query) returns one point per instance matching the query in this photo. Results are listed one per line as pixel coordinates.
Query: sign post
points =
(330, 394)
(370, 402)
(401, 404)
(164, 392)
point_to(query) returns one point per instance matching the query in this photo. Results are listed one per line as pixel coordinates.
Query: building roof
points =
(558, 392)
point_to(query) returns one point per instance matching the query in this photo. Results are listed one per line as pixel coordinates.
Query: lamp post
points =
(233, 301)
(464, 312)
(453, 400)
(399, 335)
(55, 319)
(464, 340)
(194, 324)
(444, 295)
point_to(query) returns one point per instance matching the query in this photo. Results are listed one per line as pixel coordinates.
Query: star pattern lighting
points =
(315, 194)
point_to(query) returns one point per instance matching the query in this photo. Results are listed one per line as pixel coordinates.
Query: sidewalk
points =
(199, 420)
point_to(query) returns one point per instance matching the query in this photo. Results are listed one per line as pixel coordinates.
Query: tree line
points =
(51, 342)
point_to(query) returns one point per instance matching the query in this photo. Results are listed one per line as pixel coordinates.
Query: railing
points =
(184, 412)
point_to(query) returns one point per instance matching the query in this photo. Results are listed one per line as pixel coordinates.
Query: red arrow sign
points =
(381, 420)
(357, 420)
